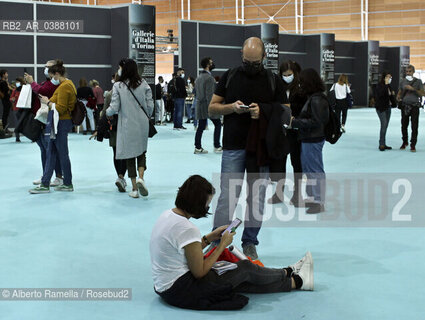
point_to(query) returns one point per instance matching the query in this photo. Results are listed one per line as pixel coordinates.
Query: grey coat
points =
(133, 124)
(204, 87)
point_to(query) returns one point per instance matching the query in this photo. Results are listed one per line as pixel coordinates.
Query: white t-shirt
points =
(341, 91)
(170, 234)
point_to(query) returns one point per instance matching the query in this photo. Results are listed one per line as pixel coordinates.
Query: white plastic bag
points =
(42, 113)
(24, 101)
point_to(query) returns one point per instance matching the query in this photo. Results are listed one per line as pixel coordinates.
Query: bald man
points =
(237, 98)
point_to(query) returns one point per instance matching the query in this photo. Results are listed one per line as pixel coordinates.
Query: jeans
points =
(59, 148)
(43, 143)
(251, 278)
(233, 165)
(189, 114)
(414, 116)
(178, 112)
(384, 118)
(312, 162)
(201, 127)
(195, 122)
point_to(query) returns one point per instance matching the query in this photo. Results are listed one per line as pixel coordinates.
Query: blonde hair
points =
(343, 79)
(94, 83)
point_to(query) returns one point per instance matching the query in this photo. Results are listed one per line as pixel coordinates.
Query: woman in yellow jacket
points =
(62, 102)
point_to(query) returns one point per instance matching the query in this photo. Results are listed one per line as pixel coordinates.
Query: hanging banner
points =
(404, 60)
(373, 52)
(142, 41)
(270, 37)
(327, 63)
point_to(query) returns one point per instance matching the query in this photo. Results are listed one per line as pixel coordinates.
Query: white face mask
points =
(182, 75)
(55, 82)
(389, 81)
(288, 79)
(18, 84)
(112, 81)
(46, 72)
(119, 72)
(409, 78)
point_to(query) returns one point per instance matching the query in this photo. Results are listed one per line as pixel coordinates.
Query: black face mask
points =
(252, 68)
(212, 66)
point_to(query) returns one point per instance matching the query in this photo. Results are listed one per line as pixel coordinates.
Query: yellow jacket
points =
(64, 98)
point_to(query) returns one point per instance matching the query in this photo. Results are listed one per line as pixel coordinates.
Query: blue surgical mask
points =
(18, 84)
(182, 75)
(55, 82)
(46, 72)
(288, 79)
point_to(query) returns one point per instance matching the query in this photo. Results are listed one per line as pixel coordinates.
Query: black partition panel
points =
(389, 58)
(92, 52)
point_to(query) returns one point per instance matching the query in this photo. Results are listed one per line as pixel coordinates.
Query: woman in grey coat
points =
(129, 95)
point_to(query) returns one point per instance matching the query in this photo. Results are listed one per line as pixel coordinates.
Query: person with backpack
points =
(311, 125)
(237, 97)
(384, 97)
(342, 90)
(132, 100)
(410, 94)
(60, 107)
(289, 72)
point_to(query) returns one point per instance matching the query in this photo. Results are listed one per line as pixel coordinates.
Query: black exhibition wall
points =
(105, 35)
(360, 61)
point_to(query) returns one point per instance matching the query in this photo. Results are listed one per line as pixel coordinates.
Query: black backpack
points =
(333, 127)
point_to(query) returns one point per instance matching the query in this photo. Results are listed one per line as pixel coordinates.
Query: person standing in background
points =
(384, 97)
(84, 93)
(159, 109)
(342, 88)
(179, 99)
(205, 86)
(5, 91)
(98, 94)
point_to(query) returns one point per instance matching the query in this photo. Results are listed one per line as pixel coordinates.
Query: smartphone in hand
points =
(232, 227)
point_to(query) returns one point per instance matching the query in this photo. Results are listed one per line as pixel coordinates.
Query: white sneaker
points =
(120, 183)
(57, 182)
(218, 150)
(200, 151)
(142, 187)
(37, 182)
(306, 274)
(134, 194)
(297, 265)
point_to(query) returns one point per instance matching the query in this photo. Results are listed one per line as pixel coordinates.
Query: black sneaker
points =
(403, 146)
(316, 208)
(382, 148)
(182, 128)
(388, 148)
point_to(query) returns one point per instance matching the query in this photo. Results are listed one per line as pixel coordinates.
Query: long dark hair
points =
(311, 82)
(129, 72)
(57, 67)
(296, 69)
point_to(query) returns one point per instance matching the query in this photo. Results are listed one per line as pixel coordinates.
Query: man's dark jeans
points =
(414, 116)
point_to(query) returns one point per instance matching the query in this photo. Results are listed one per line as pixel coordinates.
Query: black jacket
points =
(296, 99)
(313, 118)
(382, 97)
(180, 88)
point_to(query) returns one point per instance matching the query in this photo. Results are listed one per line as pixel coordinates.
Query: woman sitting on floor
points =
(183, 278)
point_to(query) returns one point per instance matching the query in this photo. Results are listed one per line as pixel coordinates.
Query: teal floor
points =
(96, 237)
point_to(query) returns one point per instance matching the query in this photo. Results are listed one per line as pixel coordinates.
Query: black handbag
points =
(30, 127)
(152, 129)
